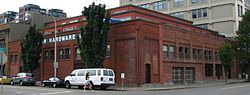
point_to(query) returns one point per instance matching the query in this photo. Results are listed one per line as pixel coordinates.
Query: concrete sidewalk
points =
(176, 87)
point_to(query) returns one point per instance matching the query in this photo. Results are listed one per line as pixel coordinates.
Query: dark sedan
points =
(54, 82)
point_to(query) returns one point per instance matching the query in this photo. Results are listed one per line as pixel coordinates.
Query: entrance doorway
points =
(190, 75)
(218, 68)
(147, 73)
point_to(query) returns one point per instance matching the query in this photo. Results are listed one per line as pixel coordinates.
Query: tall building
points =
(26, 12)
(7, 16)
(218, 15)
(57, 13)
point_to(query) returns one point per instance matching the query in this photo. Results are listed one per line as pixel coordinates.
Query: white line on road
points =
(36, 88)
(19, 92)
(51, 93)
(232, 87)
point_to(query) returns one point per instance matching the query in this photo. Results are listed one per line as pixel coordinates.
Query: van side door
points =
(93, 76)
(80, 77)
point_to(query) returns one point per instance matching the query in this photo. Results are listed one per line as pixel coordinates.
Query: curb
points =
(170, 88)
(190, 87)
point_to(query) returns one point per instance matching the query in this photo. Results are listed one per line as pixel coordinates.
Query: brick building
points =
(148, 46)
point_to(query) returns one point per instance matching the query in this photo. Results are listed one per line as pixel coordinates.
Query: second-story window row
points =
(200, 13)
(168, 52)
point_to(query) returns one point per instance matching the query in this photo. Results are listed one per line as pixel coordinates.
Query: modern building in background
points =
(57, 13)
(19, 24)
(27, 11)
(8, 16)
(217, 15)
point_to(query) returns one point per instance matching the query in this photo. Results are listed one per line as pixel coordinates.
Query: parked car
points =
(100, 77)
(54, 82)
(23, 79)
(4, 80)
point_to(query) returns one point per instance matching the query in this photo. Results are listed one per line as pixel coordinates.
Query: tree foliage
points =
(31, 47)
(243, 37)
(93, 39)
(227, 55)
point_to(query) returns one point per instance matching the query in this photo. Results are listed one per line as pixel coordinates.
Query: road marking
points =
(232, 87)
(37, 88)
(51, 93)
(19, 92)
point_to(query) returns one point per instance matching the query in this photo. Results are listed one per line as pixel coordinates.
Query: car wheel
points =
(54, 85)
(11, 83)
(43, 85)
(21, 83)
(67, 85)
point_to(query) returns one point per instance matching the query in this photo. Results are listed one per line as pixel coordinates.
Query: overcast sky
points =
(71, 7)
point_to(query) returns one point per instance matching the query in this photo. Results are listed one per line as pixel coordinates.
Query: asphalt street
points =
(230, 89)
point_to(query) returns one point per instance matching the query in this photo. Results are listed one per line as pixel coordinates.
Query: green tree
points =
(243, 41)
(31, 47)
(226, 57)
(93, 39)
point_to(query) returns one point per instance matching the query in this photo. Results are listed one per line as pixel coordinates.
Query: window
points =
(77, 53)
(210, 55)
(208, 70)
(61, 53)
(46, 55)
(195, 54)
(165, 52)
(240, 10)
(178, 3)
(178, 75)
(67, 53)
(198, 1)
(105, 73)
(16, 59)
(187, 53)
(111, 73)
(199, 13)
(12, 60)
(206, 55)
(247, 2)
(108, 50)
(216, 56)
(99, 72)
(51, 54)
(181, 52)
(91, 72)
(199, 54)
(168, 52)
(204, 26)
(81, 73)
(160, 5)
(171, 52)
(178, 14)
(73, 73)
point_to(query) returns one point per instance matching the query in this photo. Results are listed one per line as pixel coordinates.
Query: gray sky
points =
(71, 7)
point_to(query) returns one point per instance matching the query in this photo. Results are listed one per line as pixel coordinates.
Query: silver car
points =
(23, 79)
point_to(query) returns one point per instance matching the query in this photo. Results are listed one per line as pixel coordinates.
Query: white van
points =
(100, 77)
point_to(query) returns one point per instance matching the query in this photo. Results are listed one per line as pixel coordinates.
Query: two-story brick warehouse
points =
(148, 46)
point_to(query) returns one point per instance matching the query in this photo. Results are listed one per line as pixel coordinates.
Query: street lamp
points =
(55, 62)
